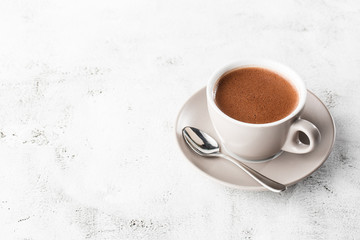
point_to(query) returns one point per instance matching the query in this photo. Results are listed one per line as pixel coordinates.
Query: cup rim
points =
(271, 65)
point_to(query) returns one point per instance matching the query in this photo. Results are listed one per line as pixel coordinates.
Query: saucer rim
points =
(252, 188)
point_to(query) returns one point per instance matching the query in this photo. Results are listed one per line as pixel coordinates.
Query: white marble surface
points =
(89, 92)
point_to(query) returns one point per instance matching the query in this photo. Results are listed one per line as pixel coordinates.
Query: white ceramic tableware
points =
(259, 142)
(288, 168)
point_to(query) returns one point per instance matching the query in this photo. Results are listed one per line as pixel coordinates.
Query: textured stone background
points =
(89, 92)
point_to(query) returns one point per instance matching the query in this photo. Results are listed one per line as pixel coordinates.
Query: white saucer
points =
(287, 169)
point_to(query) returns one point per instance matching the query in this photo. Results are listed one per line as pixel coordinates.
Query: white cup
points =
(260, 142)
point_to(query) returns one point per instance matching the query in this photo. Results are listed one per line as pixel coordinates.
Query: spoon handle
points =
(263, 180)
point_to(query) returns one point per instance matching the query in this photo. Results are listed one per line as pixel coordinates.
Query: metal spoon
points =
(206, 146)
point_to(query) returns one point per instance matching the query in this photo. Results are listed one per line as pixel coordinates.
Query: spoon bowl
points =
(201, 142)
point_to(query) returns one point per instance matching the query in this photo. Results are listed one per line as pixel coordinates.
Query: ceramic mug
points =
(260, 142)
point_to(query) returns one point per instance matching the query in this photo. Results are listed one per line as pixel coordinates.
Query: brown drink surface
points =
(255, 95)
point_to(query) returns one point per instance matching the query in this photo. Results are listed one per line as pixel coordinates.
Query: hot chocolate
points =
(255, 95)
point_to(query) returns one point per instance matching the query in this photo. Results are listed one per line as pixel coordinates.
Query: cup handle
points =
(293, 143)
